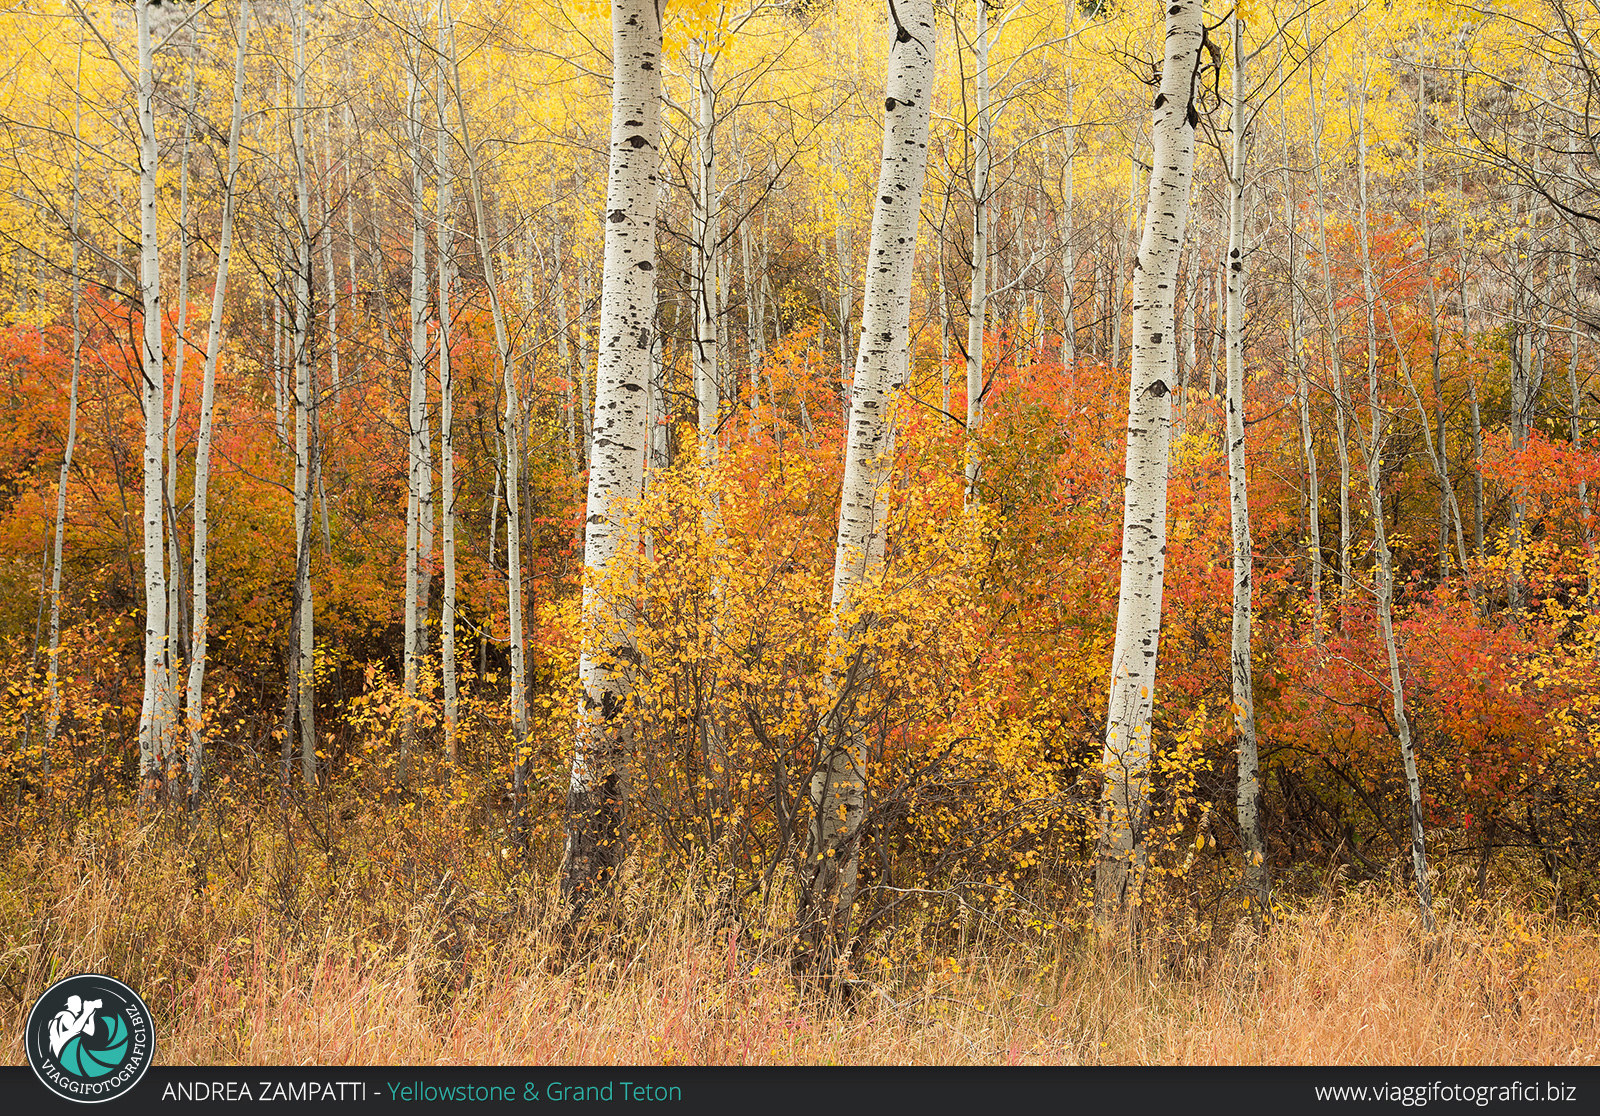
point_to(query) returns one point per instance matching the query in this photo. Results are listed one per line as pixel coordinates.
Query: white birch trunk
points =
(1297, 348)
(1144, 533)
(1383, 574)
(703, 280)
(168, 757)
(514, 632)
(978, 303)
(1575, 417)
(53, 666)
(1335, 363)
(1069, 249)
(597, 798)
(331, 278)
(585, 308)
(416, 463)
(564, 354)
(837, 790)
(447, 452)
(154, 711)
(202, 451)
(304, 406)
(1251, 836)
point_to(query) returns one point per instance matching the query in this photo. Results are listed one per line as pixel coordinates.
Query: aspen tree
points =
(837, 789)
(419, 468)
(1069, 248)
(1251, 835)
(1335, 358)
(331, 280)
(598, 793)
(978, 303)
(754, 328)
(1383, 574)
(1302, 392)
(1575, 414)
(558, 292)
(302, 683)
(703, 279)
(445, 261)
(53, 665)
(202, 452)
(154, 711)
(1144, 516)
(167, 757)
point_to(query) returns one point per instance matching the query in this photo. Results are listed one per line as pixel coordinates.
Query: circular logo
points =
(89, 1038)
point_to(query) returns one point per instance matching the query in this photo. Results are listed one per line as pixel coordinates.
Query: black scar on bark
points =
(618, 215)
(1156, 340)
(1158, 389)
(1194, 117)
(1161, 99)
(888, 104)
(646, 265)
(637, 142)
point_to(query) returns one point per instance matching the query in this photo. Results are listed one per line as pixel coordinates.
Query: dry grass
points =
(1348, 980)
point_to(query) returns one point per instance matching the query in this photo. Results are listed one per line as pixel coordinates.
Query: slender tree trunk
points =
(53, 666)
(1144, 517)
(1384, 571)
(1297, 346)
(1574, 418)
(597, 798)
(418, 466)
(1335, 364)
(703, 280)
(754, 329)
(202, 452)
(1251, 833)
(305, 408)
(154, 712)
(585, 311)
(558, 292)
(447, 450)
(168, 757)
(325, 236)
(837, 790)
(978, 301)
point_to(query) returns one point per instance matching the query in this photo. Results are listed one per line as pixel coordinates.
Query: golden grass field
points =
(1347, 978)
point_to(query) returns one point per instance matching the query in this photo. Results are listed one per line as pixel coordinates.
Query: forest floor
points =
(247, 968)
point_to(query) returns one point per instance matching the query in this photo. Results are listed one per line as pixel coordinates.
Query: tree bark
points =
(419, 467)
(1384, 572)
(1251, 835)
(202, 452)
(1335, 363)
(597, 797)
(837, 789)
(154, 712)
(978, 299)
(305, 412)
(53, 666)
(1121, 858)
(447, 464)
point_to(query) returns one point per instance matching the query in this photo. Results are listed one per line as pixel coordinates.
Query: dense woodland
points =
(414, 436)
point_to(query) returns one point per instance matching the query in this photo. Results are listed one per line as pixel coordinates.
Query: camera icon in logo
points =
(89, 1038)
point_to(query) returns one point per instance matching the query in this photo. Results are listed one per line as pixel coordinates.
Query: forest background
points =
(292, 630)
